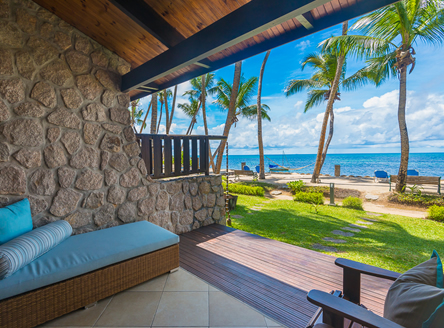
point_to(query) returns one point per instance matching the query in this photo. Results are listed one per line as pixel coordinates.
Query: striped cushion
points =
(17, 253)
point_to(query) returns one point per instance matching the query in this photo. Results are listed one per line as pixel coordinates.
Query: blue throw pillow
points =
(22, 250)
(15, 220)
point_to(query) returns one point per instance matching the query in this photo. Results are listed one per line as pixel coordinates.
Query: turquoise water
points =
(428, 164)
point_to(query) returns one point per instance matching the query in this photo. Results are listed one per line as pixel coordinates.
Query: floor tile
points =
(129, 309)
(154, 285)
(271, 323)
(183, 281)
(182, 309)
(80, 318)
(240, 315)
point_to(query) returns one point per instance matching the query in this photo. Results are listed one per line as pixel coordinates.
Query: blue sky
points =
(365, 120)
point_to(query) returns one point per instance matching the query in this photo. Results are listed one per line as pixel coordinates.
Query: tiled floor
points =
(178, 299)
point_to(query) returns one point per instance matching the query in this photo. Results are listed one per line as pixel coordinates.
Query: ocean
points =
(428, 164)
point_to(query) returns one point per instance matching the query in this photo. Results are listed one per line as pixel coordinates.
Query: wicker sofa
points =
(84, 269)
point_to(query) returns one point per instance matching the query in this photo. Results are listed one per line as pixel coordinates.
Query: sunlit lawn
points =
(394, 242)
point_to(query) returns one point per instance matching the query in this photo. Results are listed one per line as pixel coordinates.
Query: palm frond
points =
(295, 86)
(250, 112)
(315, 98)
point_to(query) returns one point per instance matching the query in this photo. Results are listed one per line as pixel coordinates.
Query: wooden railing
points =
(175, 155)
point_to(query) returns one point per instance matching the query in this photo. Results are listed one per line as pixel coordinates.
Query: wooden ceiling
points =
(141, 30)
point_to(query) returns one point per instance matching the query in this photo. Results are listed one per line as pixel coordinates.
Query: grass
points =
(395, 242)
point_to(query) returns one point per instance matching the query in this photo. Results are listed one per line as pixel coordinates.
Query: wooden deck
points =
(269, 275)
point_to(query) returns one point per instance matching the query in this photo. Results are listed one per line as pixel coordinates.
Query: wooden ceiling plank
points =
(239, 25)
(140, 12)
(320, 24)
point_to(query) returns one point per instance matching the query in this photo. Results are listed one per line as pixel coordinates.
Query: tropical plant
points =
(296, 186)
(324, 85)
(259, 119)
(190, 109)
(236, 104)
(389, 35)
(244, 190)
(173, 107)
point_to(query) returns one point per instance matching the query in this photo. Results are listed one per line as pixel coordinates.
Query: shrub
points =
(417, 200)
(296, 186)
(352, 202)
(322, 189)
(309, 197)
(244, 190)
(436, 213)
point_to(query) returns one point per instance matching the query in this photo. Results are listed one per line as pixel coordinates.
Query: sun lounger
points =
(414, 173)
(381, 176)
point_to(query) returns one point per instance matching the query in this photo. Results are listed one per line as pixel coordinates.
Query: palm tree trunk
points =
(329, 111)
(153, 113)
(230, 114)
(160, 117)
(190, 128)
(402, 173)
(259, 120)
(203, 97)
(172, 110)
(330, 136)
(167, 113)
(146, 115)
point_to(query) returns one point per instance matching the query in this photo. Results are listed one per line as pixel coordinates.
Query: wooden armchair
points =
(338, 307)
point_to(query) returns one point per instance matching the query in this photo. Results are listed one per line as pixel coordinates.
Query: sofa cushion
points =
(416, 299)
(20, 251)
(15, 220)
(88, 252)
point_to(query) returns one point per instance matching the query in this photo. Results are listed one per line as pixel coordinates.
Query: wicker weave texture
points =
(47, 303)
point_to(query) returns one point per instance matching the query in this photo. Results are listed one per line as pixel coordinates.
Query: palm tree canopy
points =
(392, 31)
(196, 86)
(190, 109)
(167, 93)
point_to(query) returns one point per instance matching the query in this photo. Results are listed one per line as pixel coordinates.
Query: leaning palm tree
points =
(241, 105)
(324, 85)
(389, 36)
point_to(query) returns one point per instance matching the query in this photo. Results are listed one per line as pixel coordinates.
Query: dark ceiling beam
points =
(140, 12)
(249, 20)
(348, 13)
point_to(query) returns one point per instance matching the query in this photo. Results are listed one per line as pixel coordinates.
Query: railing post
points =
(207, 156)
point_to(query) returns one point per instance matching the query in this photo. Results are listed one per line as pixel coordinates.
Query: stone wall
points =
(65, 139)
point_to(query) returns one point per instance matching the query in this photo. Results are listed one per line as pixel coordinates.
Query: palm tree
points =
(163, 99)
(136, 115)
(259, 120)
(240, 106)
(170, 119)
(389, 36)
(200, 87)
(190, 110)
(329, 75)
(153, 113)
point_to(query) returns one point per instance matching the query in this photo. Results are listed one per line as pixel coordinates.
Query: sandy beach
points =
(365, 185)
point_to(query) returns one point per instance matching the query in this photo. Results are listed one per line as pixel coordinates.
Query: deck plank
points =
(269, 275)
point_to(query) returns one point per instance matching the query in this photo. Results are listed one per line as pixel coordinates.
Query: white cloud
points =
(303, 45)
(298, 104)
(373, 126)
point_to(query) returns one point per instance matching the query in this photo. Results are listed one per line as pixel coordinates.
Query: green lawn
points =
(395, 242)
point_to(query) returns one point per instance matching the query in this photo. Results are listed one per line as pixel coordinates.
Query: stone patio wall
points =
(65, 139)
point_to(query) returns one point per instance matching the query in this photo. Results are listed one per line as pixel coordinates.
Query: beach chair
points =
(413, 173)
(245, 171)
(381, 176)
(410, 301)
(258, 169)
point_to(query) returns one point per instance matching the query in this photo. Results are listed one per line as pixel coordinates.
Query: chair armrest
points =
(367, 269)
(339, 307)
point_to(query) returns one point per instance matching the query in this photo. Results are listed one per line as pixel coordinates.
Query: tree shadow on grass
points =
(385, 243)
